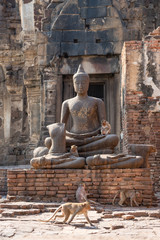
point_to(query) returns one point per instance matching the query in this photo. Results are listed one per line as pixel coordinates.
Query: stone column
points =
(13, 120)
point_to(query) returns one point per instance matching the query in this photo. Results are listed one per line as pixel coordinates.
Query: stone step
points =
(12, 209)
(14, 213)
(28, 205)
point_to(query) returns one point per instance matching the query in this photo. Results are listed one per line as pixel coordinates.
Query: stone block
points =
(103, 23)
(73, 36)
(40, 38)
(53, 48)
(97, 12)
(71, 8)
(109, 35)
(92, 3)
(99, 48)
(112, 12)
(46, 26)
(117, 47)
(42, 60)
(42, 49)
(55, 37)
(69, 22)
(73, 49)
(128, 217)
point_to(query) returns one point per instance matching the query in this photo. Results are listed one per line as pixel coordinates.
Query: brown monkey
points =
(74, 151)
(81, 195)
(105, 127)
(127, 194)
(72, 208)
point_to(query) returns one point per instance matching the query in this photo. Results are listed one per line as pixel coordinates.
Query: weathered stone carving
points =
(57, 156)
(87, 114)
(86, 135)
(106, 161)
(143, 150)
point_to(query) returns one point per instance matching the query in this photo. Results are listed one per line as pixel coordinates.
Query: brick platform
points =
(54, 185)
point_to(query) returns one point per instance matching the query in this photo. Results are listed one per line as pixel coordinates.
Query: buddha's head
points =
(81, 81)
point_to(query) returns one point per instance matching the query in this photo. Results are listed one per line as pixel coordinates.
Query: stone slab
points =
(93, 12)
(91, 3)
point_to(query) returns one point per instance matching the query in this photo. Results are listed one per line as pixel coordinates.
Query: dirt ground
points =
(109, 223)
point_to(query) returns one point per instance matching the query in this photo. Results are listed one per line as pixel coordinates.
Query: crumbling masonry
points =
(41, 46)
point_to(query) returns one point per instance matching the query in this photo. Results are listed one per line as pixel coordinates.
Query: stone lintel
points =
(92, 65)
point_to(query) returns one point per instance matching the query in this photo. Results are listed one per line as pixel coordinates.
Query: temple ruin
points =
(42, 44)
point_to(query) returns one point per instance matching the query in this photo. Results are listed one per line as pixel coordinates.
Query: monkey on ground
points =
(74, 151)
(127, 194)
(72, 208)
(105, 127)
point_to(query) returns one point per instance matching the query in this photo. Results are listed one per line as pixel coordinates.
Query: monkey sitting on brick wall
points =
(132, 195)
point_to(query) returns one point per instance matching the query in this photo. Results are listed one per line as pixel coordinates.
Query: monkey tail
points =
(57, 210)
(91, 201)
(115, 197)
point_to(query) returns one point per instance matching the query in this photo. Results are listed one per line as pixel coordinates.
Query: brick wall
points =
(141, 97)
(54, 185)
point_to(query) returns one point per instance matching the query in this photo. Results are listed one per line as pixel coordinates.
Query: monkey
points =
(74, 151)
(72, 208)
(125, 194)
(81, 195)
(105, 127)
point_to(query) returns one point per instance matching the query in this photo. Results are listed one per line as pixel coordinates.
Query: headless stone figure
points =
(57, 156)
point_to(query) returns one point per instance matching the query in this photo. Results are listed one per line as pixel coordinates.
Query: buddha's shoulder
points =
(96, 100)
(70, 100)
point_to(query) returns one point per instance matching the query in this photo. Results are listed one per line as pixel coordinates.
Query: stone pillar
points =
(2, 108)
(34, 113)
(13, 120)
(27, 14)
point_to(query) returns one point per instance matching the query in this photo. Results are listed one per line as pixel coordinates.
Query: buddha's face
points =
(81, 84)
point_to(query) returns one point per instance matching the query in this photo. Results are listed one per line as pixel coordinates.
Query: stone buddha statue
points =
(87, 114)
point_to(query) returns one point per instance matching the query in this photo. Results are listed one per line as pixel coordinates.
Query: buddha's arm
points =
(101, 110)
(64, 112)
